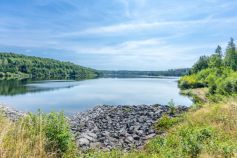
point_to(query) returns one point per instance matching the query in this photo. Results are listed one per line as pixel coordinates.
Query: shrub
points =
(165, 122)
(191, 81)
(172, 107)
(228, 86)
(58, 133)
(194, 139)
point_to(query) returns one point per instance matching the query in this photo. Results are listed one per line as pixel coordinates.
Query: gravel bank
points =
(124, 127)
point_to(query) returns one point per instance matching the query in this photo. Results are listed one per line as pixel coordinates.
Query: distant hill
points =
(15, 66)
(127, 73)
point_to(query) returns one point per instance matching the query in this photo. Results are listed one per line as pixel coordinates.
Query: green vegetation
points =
(36, 135)
(15, 66)
(171, 105)
(207, 132)
(166, 122)
(216, 72)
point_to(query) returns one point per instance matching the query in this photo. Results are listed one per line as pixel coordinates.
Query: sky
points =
(118, 34)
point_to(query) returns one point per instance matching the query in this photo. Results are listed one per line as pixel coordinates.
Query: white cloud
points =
(124, 28)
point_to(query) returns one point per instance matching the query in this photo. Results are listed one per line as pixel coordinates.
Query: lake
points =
(75, 96)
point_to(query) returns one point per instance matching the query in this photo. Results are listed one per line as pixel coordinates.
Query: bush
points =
(58, 133)
(165, 122)
(194, 139)
(172, 108)
(228, 86)
(191, 81)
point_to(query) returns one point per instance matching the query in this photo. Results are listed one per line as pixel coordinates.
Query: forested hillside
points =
(20, 66)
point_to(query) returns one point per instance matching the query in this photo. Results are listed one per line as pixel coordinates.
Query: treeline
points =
(15, 66)
(218, 72)
(127, 73)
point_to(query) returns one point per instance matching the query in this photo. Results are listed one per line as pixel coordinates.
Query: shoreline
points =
(109, 127)
(11, 113)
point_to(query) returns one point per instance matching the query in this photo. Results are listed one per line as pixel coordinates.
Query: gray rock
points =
(107, 127)
(129, 139)
(95, 145)
(82, 141)
(149, 136)
(11, 113)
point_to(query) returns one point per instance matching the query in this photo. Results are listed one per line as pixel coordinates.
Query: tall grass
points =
(37, 136)
(210, 131)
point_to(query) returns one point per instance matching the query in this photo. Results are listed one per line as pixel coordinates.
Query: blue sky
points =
(118, 34)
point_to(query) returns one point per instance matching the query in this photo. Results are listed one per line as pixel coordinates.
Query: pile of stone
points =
(10, 113)
(125, 127)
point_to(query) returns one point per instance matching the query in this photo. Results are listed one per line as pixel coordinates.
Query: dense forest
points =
(127, 73)
(15, 66)
(218, 72)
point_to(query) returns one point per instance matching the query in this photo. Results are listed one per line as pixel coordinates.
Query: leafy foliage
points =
(166, 122)
(201, 64)
(172, 107)
(214, 72)
(58, 134)
(230, 55)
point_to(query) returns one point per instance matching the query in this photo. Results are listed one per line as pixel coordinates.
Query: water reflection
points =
(16, 87)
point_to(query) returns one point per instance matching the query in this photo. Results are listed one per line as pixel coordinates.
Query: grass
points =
(199, 95)
(210, 131)
(166, 122)
(36, 136)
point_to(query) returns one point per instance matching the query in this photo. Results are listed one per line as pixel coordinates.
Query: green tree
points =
(218, 51)
(215, 61)
(231, 55)
(201, 64)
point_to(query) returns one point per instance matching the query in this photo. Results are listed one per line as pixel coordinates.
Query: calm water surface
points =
(74, 96)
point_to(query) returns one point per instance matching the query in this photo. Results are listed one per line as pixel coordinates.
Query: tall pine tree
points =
(231, 55)
(218, 51)
(215, 61)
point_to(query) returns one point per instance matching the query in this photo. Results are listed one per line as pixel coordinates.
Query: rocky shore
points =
(107, 127)
(10, 113)
(125, 127)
